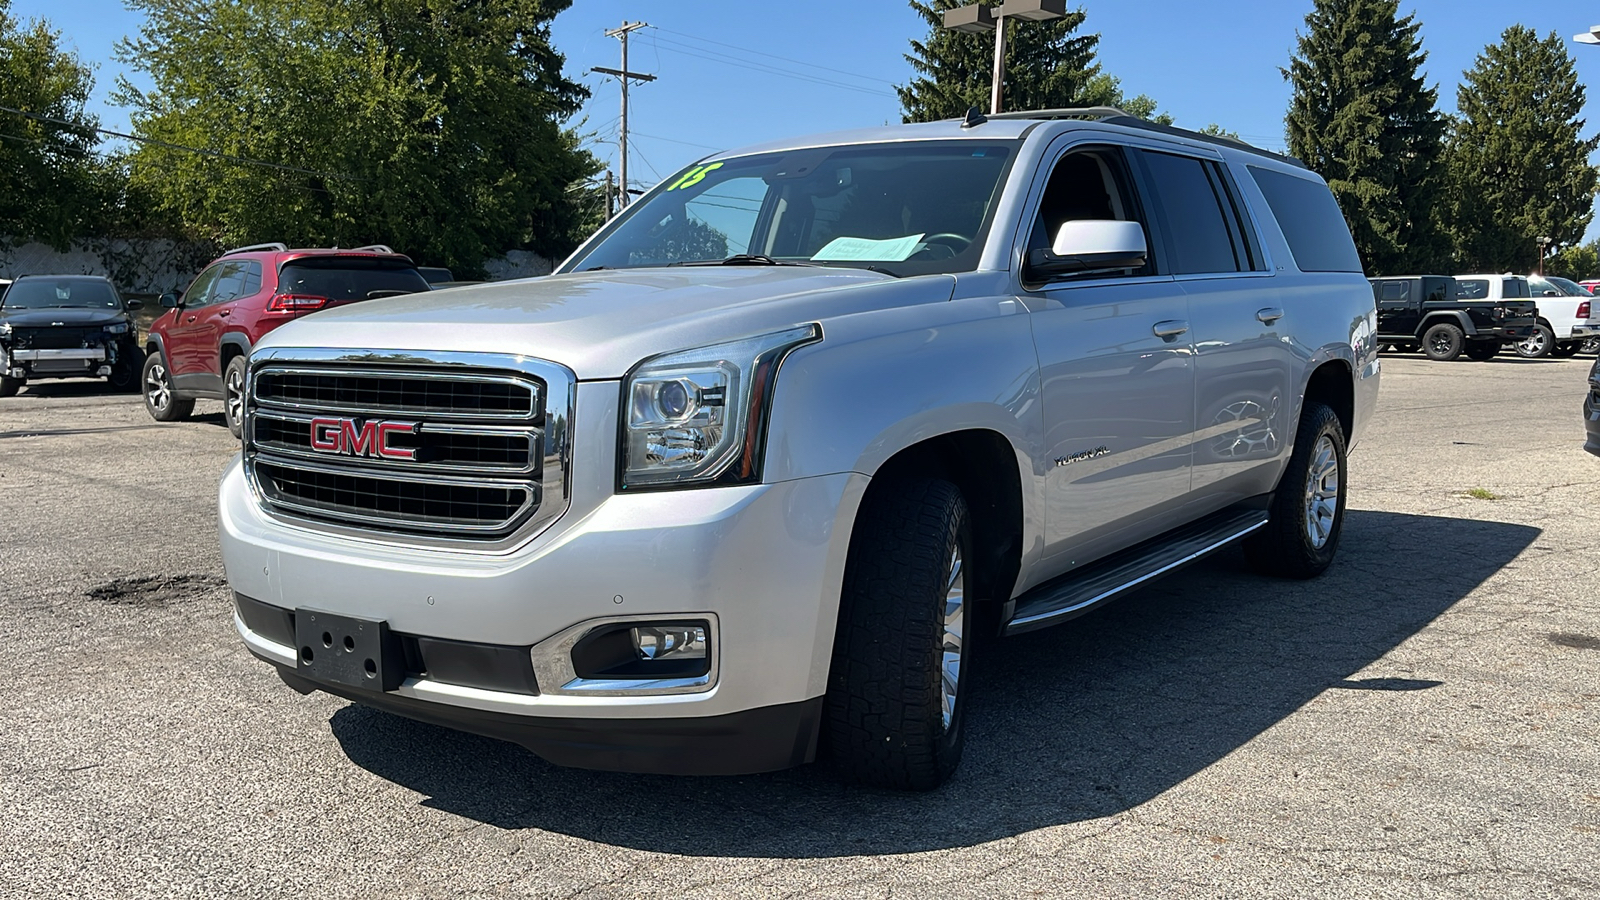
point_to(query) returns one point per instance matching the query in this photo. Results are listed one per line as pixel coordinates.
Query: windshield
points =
(48, 293)
(906, 209)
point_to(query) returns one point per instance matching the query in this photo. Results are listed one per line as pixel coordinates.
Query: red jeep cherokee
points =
(198, 349)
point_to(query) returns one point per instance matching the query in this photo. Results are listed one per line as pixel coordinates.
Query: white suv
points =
(756, 472)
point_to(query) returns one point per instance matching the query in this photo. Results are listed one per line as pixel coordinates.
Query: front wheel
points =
(1482, 351)
(233, 395)
(1537, 344)
(9, 386)
(902, 653)
(160, 400)
(1307, 509)
(126, 375)
(1565, 350)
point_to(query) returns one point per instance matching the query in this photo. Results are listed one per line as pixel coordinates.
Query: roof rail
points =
(376, 248)
(275, 245)
(1114, 116)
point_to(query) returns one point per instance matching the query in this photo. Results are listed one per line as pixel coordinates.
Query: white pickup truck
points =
(1568, 308)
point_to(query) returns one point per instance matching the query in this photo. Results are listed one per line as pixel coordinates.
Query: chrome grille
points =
(478, 457)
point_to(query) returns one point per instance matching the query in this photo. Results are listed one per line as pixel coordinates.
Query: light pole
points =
(1592, 36)
(1544, 244)
(977, 19)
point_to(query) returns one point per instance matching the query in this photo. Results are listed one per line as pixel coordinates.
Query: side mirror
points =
(1551, 294)
(169, 300)
(134, 305)
(1089, 245)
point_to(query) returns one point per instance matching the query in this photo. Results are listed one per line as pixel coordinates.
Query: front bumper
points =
(764, 562)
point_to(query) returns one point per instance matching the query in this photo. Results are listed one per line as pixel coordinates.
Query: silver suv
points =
(750, 478)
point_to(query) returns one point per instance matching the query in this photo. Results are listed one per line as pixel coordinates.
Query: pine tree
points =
(1519, 166)
(1362, 118)
(1048, 66)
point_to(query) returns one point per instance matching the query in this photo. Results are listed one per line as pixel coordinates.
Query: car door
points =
(1117, 377)
(183, 344)
(203, 329)
(1398, 308)
(1243, 327)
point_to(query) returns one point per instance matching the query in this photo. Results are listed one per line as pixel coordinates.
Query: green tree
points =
(1362, 117)
(433, 126)
(1579, 262)
(52, 187)
(1519, 165)
(1048, 65)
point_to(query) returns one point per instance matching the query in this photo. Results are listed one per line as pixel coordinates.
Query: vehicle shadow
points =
(63, 388)
(1078, 722)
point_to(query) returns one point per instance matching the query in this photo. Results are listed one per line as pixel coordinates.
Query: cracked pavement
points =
(1420, 722)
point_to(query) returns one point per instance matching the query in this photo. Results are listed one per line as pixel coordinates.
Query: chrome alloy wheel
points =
(157, 389)
(1322, 492)
(1533, 345)
(1590, 345)
(235, 395)
(955, 616)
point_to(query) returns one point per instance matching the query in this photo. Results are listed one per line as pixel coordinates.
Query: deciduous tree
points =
(1363, 118)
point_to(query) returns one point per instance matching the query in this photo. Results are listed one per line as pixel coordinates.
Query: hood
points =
(66, 315)
(600, 324)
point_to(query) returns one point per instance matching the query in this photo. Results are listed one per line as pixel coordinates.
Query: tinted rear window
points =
(348, 279)
(1201, 242)
(1311, 222)
(1393, 291)
(1472, 288)
(1514, 287)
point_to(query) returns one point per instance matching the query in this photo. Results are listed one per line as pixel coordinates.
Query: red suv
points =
(198, 349)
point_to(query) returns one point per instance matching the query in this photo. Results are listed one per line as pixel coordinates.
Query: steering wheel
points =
(945, 237)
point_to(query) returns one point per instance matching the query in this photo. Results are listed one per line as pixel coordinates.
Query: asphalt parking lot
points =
(1420, 722)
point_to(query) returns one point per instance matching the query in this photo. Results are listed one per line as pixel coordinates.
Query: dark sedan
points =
(67, 326)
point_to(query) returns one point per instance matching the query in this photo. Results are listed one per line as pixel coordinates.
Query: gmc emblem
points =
(349, 437)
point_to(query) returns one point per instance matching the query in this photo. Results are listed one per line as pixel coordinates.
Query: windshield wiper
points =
(742, 259)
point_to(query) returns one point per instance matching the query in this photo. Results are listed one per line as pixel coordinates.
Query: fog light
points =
(103, 370)
(670, 642)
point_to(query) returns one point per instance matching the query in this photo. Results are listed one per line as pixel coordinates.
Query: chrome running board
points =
(1101, 581)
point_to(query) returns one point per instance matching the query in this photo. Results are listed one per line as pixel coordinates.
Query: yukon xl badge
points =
(351, 437)
(1080, 457)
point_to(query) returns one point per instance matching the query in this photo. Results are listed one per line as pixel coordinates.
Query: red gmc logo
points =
(350, 437)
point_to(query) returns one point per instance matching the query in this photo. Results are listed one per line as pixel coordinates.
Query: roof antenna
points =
(975, 117)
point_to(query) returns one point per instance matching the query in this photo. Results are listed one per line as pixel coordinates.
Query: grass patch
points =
(1483, 494)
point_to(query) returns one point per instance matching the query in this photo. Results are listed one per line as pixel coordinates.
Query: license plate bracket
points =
(348, 650)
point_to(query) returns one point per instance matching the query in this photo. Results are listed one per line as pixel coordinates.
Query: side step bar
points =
(1077, 592)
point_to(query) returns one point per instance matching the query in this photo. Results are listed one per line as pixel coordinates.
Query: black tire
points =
(1565, 350)
(1590, 346)
(9, 386)
(1286, 547)
(127, 375)
(884, 721)
(1482, 351)
(164, 405)
(1406, 348)
(1443, 342)
(233, 395)
(1538, 344)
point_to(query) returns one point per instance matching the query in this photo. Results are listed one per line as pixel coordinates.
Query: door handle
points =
(1269, 315)
(1171, 328)
(223, 314)
(190, 319)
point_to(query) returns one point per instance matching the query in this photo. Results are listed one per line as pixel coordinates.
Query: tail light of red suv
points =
(295, 304)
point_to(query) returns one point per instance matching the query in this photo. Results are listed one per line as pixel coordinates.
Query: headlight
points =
(699, 416)
(5, 329)
(117, 328)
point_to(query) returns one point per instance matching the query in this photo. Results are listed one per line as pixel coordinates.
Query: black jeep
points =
(1428, 312)
(67, 326)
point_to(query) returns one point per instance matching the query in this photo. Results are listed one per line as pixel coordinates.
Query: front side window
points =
(1394, 292)
(903, 208)
(1087, 185)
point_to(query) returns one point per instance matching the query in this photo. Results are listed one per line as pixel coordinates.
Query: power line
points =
(184, 147)
(657, 137)
(799, 62)
(712, 56)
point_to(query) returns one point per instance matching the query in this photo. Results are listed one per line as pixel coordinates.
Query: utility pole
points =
(624, 76)
(611, 208)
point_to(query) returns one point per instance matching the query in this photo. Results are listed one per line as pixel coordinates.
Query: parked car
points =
(1563, 319)
(1428, 311)
(768, 458)
(1591, 411)
(1586, 319)
(67, 326)
(198, 349)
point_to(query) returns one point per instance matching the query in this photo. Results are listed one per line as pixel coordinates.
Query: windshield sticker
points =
(694, 176)
(853, 248)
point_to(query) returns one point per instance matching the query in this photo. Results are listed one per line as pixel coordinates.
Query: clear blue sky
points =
(840, 61)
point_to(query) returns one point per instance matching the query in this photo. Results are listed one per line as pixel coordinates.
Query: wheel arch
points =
(233, 344)
(1447, 317)
(1333, 383)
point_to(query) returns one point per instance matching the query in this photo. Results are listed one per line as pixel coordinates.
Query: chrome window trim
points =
(535, 395)
(554, 674)
(555, 478)
(380, 464)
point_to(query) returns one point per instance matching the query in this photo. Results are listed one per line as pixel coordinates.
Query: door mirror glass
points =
(1089, 245)
(134, 305)
(169, 300)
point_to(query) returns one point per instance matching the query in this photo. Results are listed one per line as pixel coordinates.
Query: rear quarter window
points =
(1472, 288)
(1311, 222)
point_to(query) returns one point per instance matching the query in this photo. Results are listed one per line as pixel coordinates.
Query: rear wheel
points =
(1537, 344)
(1443, 342)
(233, 395)
(1590, 346)
(163, 404)
(1307, 509)
(1482, 351)
(901, 657)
